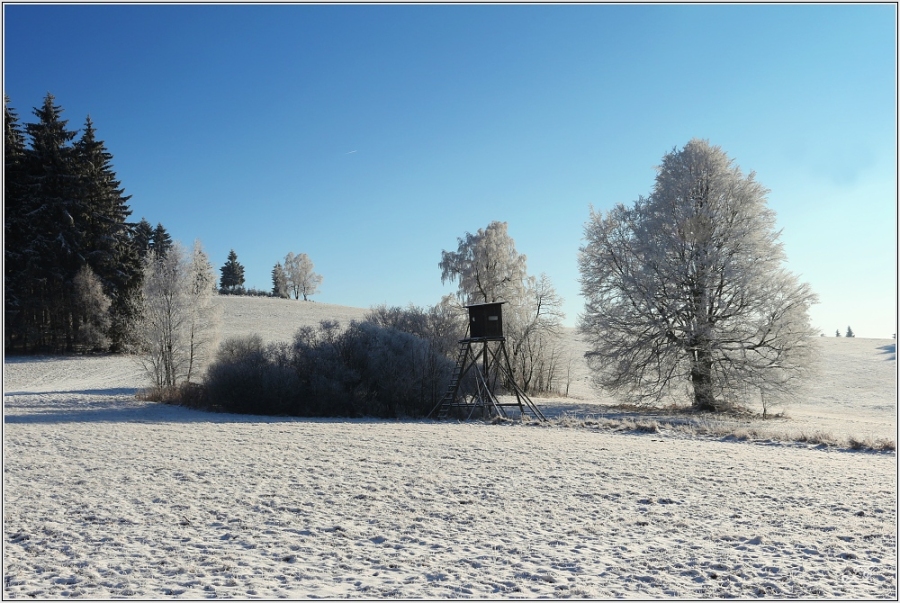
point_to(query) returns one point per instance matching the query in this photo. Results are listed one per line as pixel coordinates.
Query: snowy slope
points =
(106, 496)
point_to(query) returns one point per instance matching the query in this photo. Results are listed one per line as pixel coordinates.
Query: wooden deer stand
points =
(482, 362)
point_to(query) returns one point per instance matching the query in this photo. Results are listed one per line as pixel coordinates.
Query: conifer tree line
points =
(73, 261)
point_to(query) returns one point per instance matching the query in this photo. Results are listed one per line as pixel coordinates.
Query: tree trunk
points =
(701, 379)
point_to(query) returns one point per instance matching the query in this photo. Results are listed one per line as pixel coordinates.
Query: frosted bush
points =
(365, 370)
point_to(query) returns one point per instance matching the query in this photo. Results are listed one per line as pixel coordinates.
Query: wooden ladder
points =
(446, 402)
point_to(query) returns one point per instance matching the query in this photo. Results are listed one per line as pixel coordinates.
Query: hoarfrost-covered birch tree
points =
(486, 266)
(488, 269)
(687, 289)
(177, 325)
(204, 318)
(300, 277)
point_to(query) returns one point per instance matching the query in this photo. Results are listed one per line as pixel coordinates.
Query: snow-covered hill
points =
(107, 496)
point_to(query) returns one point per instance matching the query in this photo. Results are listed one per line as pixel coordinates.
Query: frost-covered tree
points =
(204, 317)
(232, 271)
(300, 277)
(279, 282)
(92, 318)
(159, 333)
(687, 289)
(488, 268)
(176, 325)
(534, 327)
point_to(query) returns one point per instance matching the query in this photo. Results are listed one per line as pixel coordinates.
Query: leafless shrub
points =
(364, 370)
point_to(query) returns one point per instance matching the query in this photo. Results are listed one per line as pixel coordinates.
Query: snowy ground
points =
(106, 496)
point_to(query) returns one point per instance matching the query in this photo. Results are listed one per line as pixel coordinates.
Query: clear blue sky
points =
(371, 137)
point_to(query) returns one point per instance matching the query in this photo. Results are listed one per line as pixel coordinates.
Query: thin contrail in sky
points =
(349, 153)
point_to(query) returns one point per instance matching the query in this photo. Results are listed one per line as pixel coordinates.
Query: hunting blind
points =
(481, 366)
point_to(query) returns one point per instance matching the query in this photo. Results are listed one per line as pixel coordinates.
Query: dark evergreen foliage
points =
(108, 247)
(232, 280)
(14, 227)
(142, 237)
(51, 239)
(64, 211)
(161, 242)
(279, 282)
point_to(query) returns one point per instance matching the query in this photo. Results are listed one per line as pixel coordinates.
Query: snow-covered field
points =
(107, 496)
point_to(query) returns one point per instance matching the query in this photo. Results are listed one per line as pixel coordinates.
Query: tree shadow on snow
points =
(117, 392)
(891, 349)
(119, 405)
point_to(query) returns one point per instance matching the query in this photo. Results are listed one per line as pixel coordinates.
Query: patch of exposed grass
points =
(184, 394)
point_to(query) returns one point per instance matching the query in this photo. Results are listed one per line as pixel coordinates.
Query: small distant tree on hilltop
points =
(232, 280)
(279, 282)
(850, 332)
(300, 277)
(837, 333)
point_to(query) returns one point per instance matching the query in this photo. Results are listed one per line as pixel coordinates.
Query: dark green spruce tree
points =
(279, 281)
(161, 242)
(53, 240)
(232, 280)
(14, 228)
(142, 237)
(107, 245)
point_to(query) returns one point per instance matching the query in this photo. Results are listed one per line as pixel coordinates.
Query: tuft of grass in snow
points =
(869, 444)
(819, 438)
